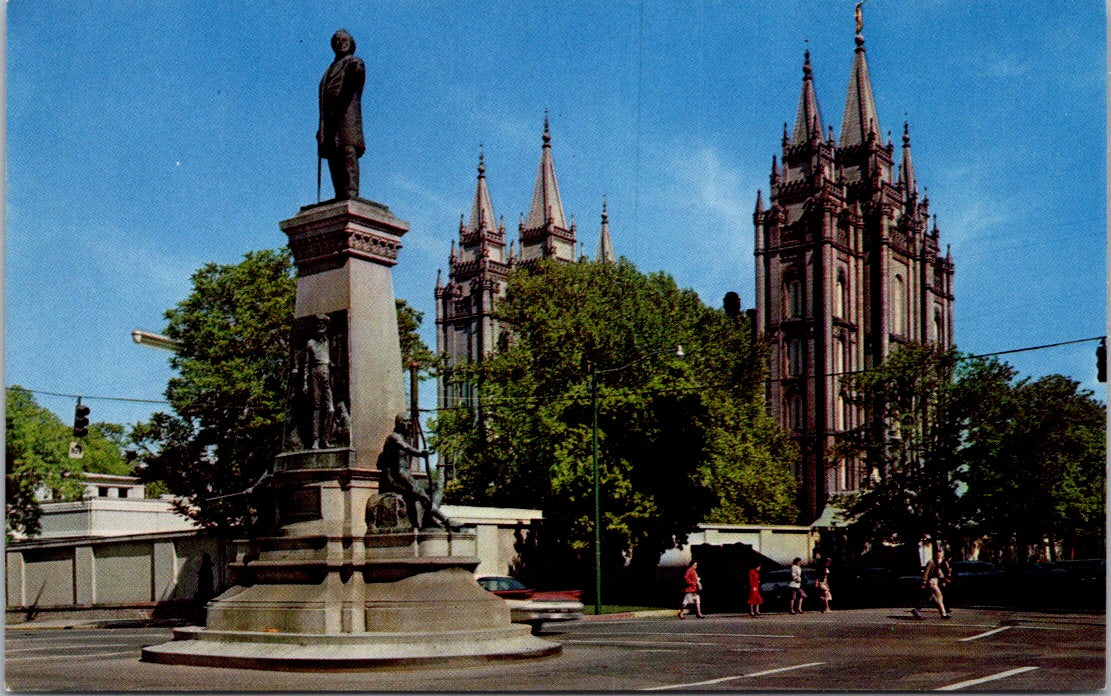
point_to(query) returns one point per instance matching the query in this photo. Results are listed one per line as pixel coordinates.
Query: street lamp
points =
(147, 338)
(597, 495)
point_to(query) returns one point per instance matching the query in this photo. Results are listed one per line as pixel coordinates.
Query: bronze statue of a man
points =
(396, 478)
(340, 135)
(316, 384)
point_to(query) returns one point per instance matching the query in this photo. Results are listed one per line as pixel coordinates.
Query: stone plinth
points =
(344, 252)
(331, 590)
(410, 599)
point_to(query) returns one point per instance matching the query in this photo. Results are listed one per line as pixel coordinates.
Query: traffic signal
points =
(1101, 360)
(81, 420)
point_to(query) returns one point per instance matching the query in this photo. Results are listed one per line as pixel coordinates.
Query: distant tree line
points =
(36, 452)
(966, 451)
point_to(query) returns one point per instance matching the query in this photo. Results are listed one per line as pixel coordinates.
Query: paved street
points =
(865, 649)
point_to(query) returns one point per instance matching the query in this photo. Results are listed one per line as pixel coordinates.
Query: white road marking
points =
(713, 635)
(71, 657)
(736, 676)
(981, 680)
(985, 634)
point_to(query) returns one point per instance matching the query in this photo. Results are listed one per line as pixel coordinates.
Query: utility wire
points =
(98, 398)
(463, 401)
(550, 399)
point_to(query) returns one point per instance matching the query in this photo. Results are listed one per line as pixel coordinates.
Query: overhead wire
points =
(542, 398)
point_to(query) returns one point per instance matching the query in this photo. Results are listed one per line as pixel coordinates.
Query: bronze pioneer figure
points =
(340, 134)
(316, 384)
(396, 478)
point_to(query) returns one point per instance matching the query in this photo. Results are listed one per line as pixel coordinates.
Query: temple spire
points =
(546, 203)
(808, 121)
(482, 211)
(906, 168)
(605, 243)
(860, 119)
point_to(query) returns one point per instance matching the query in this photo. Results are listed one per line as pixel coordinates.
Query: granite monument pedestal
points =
(334, 587)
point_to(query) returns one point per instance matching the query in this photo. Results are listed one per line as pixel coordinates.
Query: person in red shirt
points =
(754, 598)
(691, 587)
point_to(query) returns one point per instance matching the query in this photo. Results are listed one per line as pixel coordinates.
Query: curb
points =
(628, 615)
(63, 624)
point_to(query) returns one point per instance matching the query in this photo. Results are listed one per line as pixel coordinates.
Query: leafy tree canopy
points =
(681, 441)
(229, 397)
(38, 464)
(1036, 465)
(907, 444)
(962, 448)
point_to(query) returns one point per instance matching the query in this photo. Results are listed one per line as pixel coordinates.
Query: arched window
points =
(899, 306)
(939, 328)
(794, 298)
(841, 297)
(794, 357)
(794, 413)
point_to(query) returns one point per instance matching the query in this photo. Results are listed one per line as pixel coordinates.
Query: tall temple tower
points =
(544, 234)
(848, 267)
(467, 328)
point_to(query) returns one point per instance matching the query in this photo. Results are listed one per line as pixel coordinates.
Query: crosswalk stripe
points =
(735, 676)
(981, 680)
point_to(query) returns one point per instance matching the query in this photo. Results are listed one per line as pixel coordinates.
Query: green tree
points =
(229, 397)
(680, 441)
(413, 348)
(908, 445)
(963, 449)
(37, 458)
(1036, 457)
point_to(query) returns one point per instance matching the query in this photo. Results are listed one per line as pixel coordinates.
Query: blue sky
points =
(145, 139)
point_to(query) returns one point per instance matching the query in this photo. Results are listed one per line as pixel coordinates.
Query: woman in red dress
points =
(691, 587)
(754, 598)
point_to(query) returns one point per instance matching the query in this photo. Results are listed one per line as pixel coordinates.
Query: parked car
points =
(534, 607)
(774, 589)
(863, 586)
(1085, 582)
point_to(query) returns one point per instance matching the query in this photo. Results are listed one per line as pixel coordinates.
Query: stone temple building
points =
(467, 328)
(848, 266)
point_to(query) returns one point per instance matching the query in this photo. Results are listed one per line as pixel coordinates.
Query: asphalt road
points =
(865, 649)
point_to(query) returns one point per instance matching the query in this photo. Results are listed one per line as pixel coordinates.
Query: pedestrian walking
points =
(754, 598)
(692, 585)
(797, 593)
(933, 576)
(822, 585)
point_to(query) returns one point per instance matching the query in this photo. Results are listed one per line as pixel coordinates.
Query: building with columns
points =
(848, 267)
(467, 327)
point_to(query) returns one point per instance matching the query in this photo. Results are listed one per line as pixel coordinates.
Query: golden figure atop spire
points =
(859, 17)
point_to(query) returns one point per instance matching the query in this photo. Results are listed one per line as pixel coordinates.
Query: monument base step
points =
(337, 652)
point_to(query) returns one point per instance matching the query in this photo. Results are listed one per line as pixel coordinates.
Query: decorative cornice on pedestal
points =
(323, 236)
